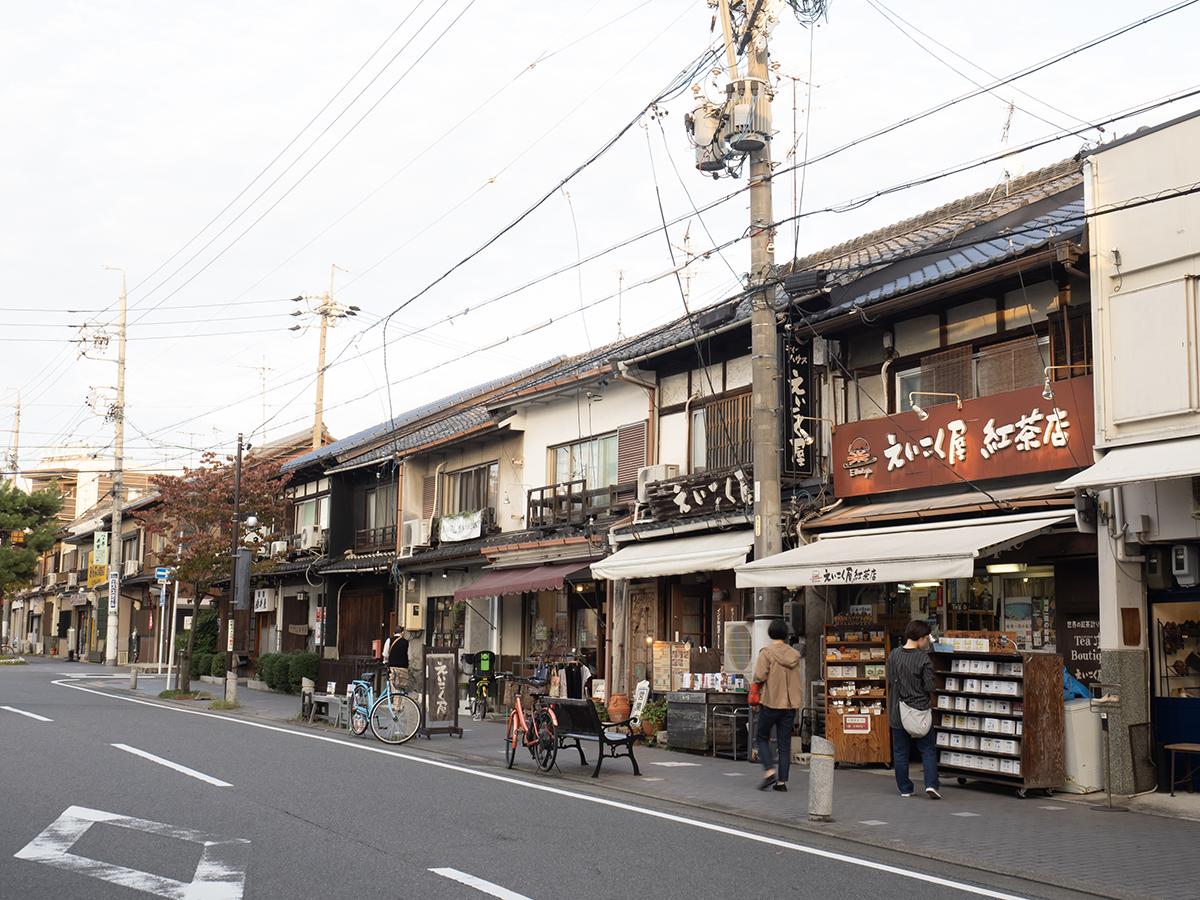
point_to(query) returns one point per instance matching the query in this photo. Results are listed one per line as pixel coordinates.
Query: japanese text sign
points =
(1013, 433)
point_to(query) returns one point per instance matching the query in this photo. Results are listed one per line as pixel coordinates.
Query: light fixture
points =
(251, 521)
(917, 408)
(649, 639)
(1047, 388)
(926, 584)
(808, 440)
(1005, 568)
(445, 573)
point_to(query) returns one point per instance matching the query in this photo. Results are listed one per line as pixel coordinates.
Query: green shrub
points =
(300, 665)
(206, 633)
(217, 667)
(264, 661)
(275, 672)
(202, 664)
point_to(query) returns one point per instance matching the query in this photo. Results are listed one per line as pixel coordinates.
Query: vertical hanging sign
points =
(800, 431)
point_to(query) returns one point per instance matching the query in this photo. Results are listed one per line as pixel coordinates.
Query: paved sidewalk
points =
(1057, 840)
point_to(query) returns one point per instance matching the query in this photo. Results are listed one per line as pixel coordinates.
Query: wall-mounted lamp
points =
(1047, 388)
(412, 582)
(808, 440)
(916, 407)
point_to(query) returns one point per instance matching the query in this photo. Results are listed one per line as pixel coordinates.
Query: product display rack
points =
(999, 718)
(856, 693)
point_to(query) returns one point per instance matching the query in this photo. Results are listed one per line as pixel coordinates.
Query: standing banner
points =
(441, 693)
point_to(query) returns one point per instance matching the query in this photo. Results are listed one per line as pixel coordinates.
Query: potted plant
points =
(654, 714)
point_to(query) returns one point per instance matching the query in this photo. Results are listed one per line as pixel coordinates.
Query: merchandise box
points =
(987, 744)
(1002, 706)
(972, 723)
(971, 685)
(974, 705)
(989, 706)
(943, 739)
(991, 725)
(952, 684)
(1006, 767)
(992, 764)
(1020, 730)
(944, 759)
(960, 721)
(1008, 726)
(956, 759)
(956, 740)
(945, 701)
(970, 742)
(960, 704)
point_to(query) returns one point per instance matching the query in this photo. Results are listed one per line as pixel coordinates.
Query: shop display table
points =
(1193, 749)
(689, 716)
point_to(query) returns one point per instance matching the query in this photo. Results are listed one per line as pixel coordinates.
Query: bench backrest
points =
(578, 716)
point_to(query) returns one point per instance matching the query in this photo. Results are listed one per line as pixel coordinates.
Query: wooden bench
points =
(578, 721)
(333, 709)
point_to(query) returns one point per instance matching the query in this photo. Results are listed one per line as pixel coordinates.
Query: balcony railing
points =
(568, 503)
(369, 539)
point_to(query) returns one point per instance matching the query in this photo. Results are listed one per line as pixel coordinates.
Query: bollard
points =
(133, 678)
(172, 680)
(231, 687)
(820, 781)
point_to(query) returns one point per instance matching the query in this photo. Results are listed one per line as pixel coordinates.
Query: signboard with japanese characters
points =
(800, 445)
(1014, 433)
(441, 694)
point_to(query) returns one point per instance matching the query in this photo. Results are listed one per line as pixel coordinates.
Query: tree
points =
(27, 529)
(194, 514)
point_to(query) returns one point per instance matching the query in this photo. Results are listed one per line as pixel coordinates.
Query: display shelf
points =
(854, 643)
(853, 678)
(867, 739)
(1041, 755)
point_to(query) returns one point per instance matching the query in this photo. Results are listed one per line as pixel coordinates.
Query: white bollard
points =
(820, 781)
(231, 687)
(133, 678)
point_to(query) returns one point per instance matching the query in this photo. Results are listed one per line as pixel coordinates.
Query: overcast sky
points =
(130, 126)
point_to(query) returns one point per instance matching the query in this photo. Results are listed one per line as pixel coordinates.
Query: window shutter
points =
(948, 372)
(1071, 342)
(427, 491)
(631, 451)
(1010, 366)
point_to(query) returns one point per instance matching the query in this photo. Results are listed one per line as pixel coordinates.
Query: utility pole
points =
(118, 489)
(327, 310)
(234, 541)
(15, 453)
(262, 371)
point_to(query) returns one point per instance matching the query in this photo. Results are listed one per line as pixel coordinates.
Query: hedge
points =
(301, 665)
(217, 667)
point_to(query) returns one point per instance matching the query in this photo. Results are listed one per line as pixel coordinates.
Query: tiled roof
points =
(450, 426)
(371, 562)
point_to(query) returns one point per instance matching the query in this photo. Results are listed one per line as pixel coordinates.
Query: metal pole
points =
(765, 428)
(235, 535)
(118, 489)
(173, 680)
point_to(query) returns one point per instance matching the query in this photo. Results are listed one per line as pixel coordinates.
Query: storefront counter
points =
(689, 716)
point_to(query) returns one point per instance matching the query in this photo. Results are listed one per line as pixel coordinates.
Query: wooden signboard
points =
(440, 699)
(1013, 433)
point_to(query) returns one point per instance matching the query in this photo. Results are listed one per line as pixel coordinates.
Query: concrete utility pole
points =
(118, 490)
(327, 310)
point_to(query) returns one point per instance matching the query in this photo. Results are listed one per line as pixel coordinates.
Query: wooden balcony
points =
(369, 540)
(568, 503)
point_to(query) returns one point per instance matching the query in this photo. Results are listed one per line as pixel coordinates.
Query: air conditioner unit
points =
(279, 548)
(131, 568)
(51, 579)
(647, 474)
(72, 579)
(738, 656)
(312, 538)
(415, 533)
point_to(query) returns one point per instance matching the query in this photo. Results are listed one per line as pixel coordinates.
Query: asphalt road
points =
(197, 805)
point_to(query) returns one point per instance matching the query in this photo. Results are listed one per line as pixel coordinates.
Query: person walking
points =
(396, 653)
(777, 671)
(910, 680)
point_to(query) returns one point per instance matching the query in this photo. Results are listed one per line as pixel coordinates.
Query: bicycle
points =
(394, 716)
(481, 682)
(536, 733)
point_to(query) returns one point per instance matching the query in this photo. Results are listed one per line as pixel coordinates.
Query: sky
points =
(227, 155)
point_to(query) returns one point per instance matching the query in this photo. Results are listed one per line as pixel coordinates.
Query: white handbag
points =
(916, 722)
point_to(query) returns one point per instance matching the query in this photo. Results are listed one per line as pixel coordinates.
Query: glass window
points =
(472, 489)
(592, 459)
(699, 440)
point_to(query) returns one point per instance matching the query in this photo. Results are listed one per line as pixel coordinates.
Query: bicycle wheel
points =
(511, 738)
(481, 706)
(358, 710)
(395, 719)
(545, 747)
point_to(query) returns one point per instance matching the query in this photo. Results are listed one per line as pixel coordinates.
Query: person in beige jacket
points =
(777, 670)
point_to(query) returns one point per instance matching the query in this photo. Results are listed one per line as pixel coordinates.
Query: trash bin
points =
(1083, 749)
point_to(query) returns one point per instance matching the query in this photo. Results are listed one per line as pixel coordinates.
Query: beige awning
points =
(677, 556)
(1141, 462)
(913, 552)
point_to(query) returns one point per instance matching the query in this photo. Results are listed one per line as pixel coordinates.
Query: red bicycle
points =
(537, 732)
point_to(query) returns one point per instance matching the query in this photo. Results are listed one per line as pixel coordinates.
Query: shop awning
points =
(1141, 462)
(915, 552)
(677, 556)
(499, 582)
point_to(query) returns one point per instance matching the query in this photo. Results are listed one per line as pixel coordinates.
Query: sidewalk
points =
(1059, 840)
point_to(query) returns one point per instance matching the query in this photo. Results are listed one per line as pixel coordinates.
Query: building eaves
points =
(437, 432)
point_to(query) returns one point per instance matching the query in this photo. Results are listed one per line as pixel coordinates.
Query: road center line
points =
(479, 884)
(587, 798)
(172, 765)
(22, 712)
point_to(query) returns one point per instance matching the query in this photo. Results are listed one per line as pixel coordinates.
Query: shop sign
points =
(264, 599)
(461, 526)
(441, 694)
(114, 590)
(700, 496)
(800, 437)
(1081, 648)
(97, 574)
(856, 724)
(100, 548)
(1014, 433)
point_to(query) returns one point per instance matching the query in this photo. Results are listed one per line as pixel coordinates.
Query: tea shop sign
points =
(1014, 433)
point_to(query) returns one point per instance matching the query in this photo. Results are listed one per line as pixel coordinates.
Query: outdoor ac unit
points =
(131, 567)
(72, 579)
(415, 533)
(311, 538)
(739, 649)
(647, 474)
(51, 579)
(278, 548)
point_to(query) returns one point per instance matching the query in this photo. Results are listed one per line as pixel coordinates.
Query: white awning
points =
(1140, 462)
(677, 556)
(915, 552)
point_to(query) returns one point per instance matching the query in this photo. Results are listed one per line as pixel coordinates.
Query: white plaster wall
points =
(672, 440)
(1147, 356)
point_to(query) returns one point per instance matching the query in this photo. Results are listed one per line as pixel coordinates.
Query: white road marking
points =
(734, 774)
(479, 884)
(673, 765)
(653, 779)
(699, 824)
(220, 874)
(22, 712)
(872, 822)
(966, 815)
(172, 765)
(1051, 807)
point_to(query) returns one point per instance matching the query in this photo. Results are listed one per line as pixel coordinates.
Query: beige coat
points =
(778, 668)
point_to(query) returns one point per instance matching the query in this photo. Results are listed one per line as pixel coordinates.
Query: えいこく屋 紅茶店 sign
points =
(1013, 433)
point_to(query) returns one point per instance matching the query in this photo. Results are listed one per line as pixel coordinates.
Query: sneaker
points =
(781, 786)
(906, 795)
(932, 794)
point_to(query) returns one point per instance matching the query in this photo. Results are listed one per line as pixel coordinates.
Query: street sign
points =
(100, 548)
(162, 574)
(229, 645)
(114, 590)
